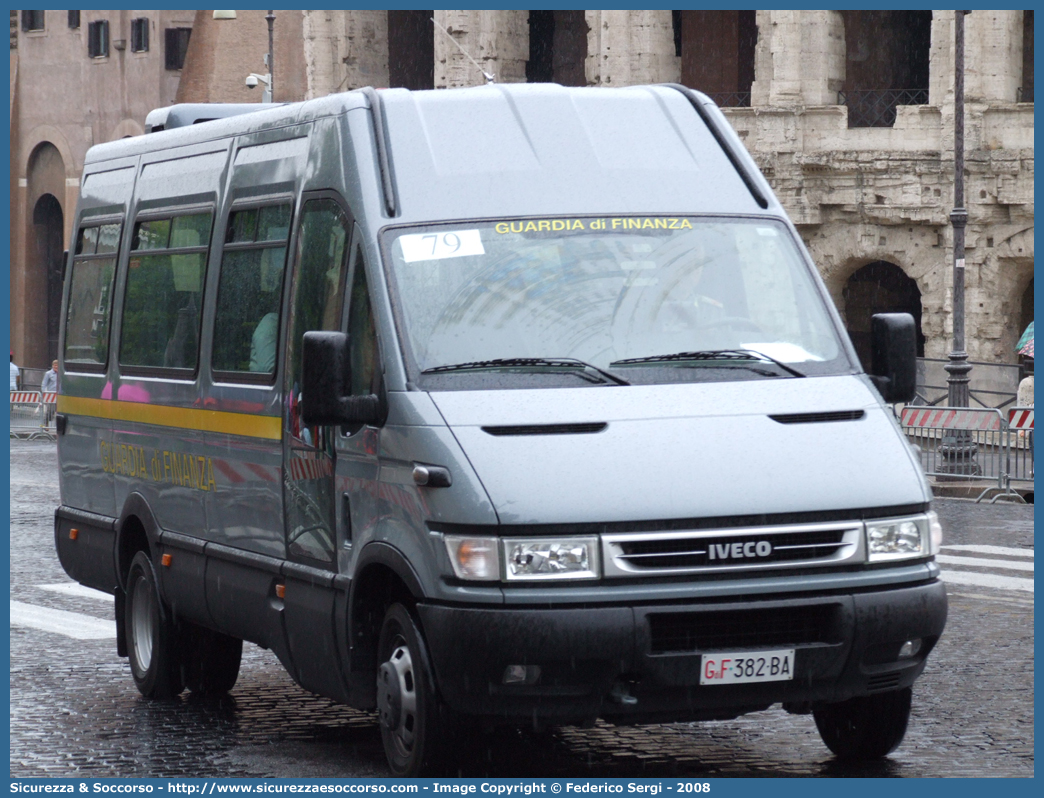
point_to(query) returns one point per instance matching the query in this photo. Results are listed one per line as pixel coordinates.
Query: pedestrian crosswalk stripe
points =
(1003, 565)
(1002, 551)
(70, 624)
(78, 591)
(988, 580)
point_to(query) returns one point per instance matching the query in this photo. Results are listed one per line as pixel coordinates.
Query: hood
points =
(683, 451)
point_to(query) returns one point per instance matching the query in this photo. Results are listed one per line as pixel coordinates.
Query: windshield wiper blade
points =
(711, 354)
(524, 362)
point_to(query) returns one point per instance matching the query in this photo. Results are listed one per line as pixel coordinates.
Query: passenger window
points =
(250, 289)
(90, 292)
(163, 296)
(362, 334)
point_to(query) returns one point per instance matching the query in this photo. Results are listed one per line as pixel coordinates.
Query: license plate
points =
(747, 666)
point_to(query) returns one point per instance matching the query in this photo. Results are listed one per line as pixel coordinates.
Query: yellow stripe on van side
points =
(251, 426)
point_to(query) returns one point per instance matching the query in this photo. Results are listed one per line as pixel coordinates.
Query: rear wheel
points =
(868, 727)
(151, 639)
(210, 659)
(413, 723)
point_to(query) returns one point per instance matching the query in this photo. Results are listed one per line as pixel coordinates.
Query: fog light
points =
(521, 674)
(473, 558)
(551, 558)
(899, 539)
(909, 648)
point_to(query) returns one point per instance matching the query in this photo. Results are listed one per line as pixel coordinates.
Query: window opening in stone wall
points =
(32, 20)
(176, 41)
(139, 35)
(717, 54)
(1026, 89)
(74, 20)
(48, 227)
(886, 64)
(411, 50)
(557, 48)
(98, 39)
(879, 287)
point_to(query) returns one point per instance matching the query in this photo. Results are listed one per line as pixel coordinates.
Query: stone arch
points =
(36, 279)
(879, 287)
(47, 134)
(128, 127)
(45, 250)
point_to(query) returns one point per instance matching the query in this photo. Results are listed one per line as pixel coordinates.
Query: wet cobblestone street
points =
(75, 711)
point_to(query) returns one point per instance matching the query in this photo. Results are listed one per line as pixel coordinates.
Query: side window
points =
(318, 285)
(90, 297)
(164, 287)
(362, 333)
(250, 291)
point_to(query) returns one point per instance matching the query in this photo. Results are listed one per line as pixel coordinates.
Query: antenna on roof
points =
(490, 78)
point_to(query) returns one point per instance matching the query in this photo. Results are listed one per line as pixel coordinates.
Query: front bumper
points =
(642, 663)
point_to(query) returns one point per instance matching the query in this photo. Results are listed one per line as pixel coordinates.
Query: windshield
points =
(606, 301)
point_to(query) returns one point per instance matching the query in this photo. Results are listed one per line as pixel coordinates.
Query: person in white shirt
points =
(50, 379)
(14, 374)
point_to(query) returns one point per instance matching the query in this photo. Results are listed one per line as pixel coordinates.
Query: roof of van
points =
(532, 149)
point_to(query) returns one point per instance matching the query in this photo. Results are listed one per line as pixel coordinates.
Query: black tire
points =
(414, 725)
(210, 660)
(152, 643)
(864, 728)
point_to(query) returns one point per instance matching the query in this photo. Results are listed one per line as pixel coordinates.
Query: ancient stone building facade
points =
(849, 113)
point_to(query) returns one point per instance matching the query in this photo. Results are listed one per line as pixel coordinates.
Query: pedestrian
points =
(50, 379)
(1025, 399)
(15, 374)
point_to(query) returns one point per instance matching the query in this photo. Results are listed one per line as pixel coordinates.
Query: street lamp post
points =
(958, 448)
(270, 18)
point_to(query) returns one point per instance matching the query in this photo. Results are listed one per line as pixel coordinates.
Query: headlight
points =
(551, 558)
(903, 538)
(474, 558)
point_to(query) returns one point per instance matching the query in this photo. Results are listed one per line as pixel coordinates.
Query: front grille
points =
(739, 629)
(884, 681)
(715, 550)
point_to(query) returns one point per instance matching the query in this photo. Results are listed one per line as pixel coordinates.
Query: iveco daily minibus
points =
(511, 404)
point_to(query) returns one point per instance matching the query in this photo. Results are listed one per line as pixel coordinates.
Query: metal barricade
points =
(29, 416)
(1020, 449)
(962, 444)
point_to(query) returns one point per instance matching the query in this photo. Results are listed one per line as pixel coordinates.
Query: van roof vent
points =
(185, 114)
(547, 429)
(818, 418)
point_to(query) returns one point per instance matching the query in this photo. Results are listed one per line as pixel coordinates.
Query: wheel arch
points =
(136, 530)
(383, 576)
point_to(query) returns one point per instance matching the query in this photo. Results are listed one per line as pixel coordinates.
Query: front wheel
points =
(413, 726)
(151, 639)
(868, 727)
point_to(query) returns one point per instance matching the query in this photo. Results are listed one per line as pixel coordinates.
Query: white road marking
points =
(988, 580)
(70, 624)
(999, 550)
(986, 597)
(1003, 565)
(77, 590)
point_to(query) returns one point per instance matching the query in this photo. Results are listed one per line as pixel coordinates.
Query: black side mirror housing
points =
(893, 356)
(326, 383)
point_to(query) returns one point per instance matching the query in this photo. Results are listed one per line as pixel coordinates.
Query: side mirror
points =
(326, 383)
(893, 356)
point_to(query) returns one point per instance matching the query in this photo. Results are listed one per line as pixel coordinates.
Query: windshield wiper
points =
(708, 355)
(526, 362)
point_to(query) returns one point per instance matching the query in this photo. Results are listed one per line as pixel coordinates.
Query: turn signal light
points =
(280, 591)
(165, 559)
(73, 534)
